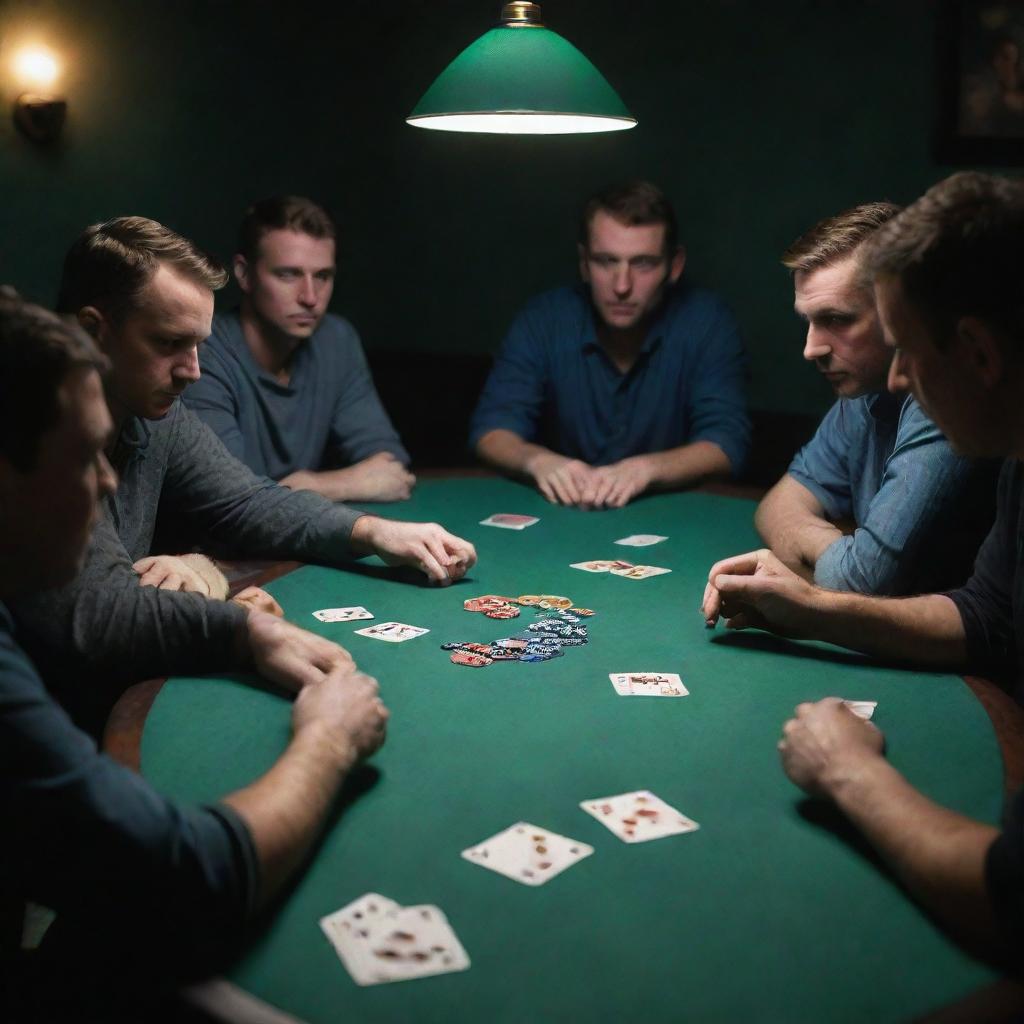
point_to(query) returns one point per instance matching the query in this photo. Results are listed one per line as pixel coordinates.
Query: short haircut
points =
(293, 213)
(633, 203)
(37, 352)
(111, 263)
(835, 238)
(959, 251)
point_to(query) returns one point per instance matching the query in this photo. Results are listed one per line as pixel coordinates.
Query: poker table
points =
(774, 910)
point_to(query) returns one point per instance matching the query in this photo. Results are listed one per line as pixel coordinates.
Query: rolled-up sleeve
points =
(718, 396)
(921, 481)
(822, 465)
(513, 396)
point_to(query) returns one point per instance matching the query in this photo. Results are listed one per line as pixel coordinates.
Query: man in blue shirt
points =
(947, 274)
(877, 502)
(86, 837)
(285, 384)
(634, 381)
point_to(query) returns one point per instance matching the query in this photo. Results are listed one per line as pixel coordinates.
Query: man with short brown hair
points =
(149, 316)
(876, 502)
(947, 274)
(84, 836)
(285, 384)
(633, 381)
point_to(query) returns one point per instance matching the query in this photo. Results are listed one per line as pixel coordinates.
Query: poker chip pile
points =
(557, 627)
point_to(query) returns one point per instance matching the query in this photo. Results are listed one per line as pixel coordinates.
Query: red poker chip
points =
(470, 659)
(502, 613)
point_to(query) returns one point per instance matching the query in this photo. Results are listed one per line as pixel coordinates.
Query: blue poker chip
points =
(535, 657)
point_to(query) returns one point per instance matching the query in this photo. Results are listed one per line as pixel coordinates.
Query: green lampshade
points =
(525, 80)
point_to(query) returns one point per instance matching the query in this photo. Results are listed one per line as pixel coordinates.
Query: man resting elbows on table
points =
(633, 381)
(948, 281)
(919, 512)
(146, 891)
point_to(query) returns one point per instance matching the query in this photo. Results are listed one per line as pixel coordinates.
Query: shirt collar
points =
(246, 356)
(884, 405)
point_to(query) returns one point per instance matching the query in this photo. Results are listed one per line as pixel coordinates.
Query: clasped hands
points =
(565, 481)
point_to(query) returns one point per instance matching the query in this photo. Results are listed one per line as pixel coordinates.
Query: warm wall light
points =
(38, 113)
(521, 78)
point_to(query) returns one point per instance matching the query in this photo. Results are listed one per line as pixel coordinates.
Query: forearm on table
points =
(329, 483)
(285, 808)
(925, 630)
(792, 522)
(939, 855)
(507, 451)
(687, 464)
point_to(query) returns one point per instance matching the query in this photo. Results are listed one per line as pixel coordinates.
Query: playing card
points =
(349, 931)
(342, 614)
(392, 632)
(509, 521)
(641, 540)
(862, 708)
(528, 854)
(639, 572)
(638, 817)
(380, 941)
(648, 684)
(601, 565)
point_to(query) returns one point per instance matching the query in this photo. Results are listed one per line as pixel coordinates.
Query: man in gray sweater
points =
(145, 294)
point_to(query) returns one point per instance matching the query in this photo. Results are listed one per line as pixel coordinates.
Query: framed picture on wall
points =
(980, 82)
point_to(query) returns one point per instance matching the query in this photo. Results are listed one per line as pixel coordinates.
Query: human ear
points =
(678, 262)
(982, 349)
(240, 265)
(94, 323)
(581, 250)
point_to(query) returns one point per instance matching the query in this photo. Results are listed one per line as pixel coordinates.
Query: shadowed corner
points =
(768, 642)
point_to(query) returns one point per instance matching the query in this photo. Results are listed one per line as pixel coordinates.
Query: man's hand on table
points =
(289, 656)
(342, 708)
(424, 546)
(258, 600)
(757, 590)
(826, 744)
(565, 481)
(191, 572)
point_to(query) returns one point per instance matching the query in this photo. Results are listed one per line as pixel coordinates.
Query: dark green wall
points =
(757, 118)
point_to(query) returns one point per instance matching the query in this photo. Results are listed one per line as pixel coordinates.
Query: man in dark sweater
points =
(947, 277)
(145, 295)
(82, 835)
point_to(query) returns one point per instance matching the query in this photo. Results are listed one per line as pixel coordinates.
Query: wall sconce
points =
(38, 113)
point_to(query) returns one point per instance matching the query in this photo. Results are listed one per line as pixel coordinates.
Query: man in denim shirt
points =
(633, 381)
(877, 502)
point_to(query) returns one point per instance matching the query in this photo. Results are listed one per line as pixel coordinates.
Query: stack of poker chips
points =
(542, 640)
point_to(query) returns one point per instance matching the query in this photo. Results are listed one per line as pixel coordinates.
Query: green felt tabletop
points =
(772, 911)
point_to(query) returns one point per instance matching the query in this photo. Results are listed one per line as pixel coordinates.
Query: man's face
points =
(153, 350)
(943, 382)
(627, 269)
(844, 338)
(288, 285)
(56, 503)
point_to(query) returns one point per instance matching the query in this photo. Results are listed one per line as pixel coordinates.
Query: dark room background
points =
(756, 118)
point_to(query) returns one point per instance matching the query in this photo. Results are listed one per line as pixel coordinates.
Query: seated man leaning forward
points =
(877, 461)
(146, 295)
(632, 381)
(284, 383)
(147, 891)
(947, 277)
